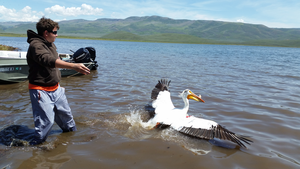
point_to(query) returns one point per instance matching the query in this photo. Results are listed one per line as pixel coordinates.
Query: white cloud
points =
(25, 15)
(241, 20)
(74, 11)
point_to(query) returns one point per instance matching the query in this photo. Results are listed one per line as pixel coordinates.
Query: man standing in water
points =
(48, 99)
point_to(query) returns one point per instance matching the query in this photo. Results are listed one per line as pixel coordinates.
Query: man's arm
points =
(79, 67)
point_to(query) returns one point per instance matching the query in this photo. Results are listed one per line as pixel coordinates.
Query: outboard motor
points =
(82, 55)
(92, 52)
(85, 55)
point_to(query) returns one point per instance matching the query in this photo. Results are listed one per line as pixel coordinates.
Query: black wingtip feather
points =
(162, 85)
(217, 132)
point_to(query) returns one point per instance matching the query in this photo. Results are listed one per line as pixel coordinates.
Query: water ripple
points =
(251, 90)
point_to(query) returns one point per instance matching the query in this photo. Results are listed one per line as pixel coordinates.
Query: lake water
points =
(253, 91)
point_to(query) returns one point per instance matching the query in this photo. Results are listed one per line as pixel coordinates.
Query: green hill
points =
(162, 29)
(122, 35)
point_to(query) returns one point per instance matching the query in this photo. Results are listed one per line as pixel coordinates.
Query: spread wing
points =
(207, 129)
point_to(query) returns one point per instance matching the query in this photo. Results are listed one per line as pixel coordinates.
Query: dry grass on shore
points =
(10, 48)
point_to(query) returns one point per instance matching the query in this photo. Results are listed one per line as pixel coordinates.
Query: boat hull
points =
(14, 67)
(13, 70)
(16, 70)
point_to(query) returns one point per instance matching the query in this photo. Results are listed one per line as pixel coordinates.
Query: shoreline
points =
(9, 48)
(251, 43)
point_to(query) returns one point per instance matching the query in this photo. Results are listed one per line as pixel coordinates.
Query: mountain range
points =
(162, 29)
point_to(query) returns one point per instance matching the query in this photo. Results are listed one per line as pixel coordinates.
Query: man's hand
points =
(79, 67)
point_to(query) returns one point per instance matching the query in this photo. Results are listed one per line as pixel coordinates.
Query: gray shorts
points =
(50, 107)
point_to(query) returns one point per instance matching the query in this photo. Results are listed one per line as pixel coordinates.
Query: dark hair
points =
(46, 24)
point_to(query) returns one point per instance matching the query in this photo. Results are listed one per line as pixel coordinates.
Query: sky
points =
(271, 13)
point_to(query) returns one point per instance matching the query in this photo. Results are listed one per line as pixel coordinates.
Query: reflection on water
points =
(49, 159)
(253, 91)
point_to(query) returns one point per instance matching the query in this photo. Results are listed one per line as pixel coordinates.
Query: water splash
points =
(138, 128)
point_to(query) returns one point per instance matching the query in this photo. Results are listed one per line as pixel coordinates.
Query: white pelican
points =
(164, 114)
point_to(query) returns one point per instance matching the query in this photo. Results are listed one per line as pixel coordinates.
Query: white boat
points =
(14, 68)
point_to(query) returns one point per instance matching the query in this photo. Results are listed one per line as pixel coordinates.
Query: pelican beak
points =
(195, 97)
